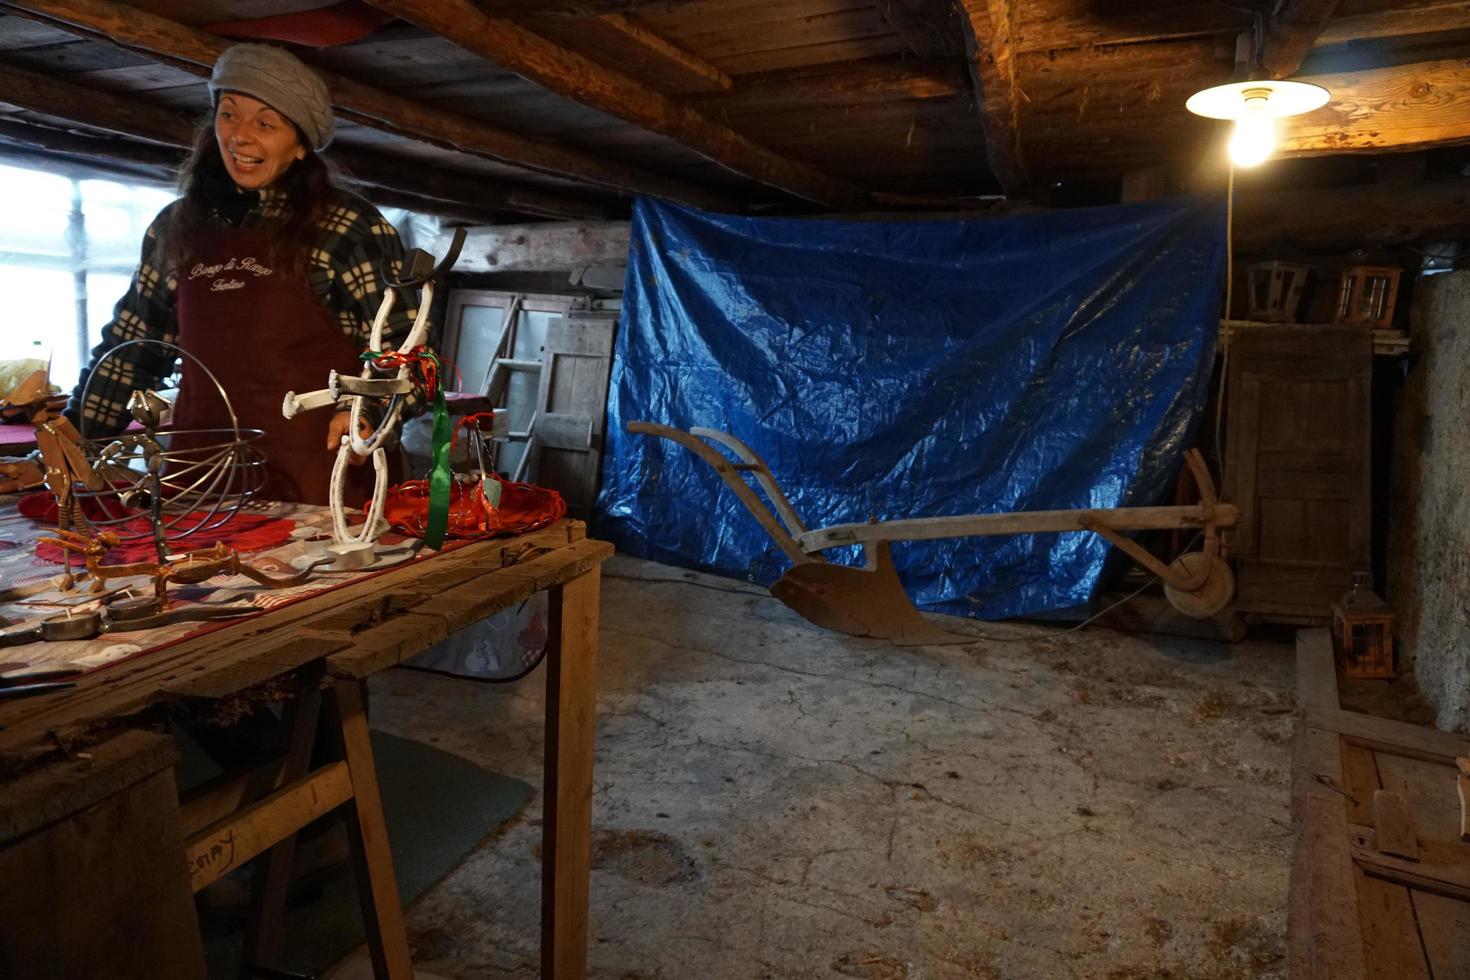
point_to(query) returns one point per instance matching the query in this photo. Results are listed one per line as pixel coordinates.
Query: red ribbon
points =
(424, 362)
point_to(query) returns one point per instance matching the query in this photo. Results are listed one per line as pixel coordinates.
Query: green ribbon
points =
(440, 477)
(426, 365)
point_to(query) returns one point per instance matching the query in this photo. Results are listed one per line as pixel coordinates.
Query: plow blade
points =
(859, 601)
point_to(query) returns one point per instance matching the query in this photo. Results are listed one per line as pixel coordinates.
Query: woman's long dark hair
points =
(204, 183)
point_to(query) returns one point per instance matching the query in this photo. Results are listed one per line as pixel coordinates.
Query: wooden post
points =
(382, 914)
(988, 28)
(571, 718)
(1292, 31)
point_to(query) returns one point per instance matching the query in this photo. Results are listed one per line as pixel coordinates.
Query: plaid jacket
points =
(343, 270)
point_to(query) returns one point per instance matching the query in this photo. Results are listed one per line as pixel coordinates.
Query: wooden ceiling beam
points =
(389, 197)
(130, 158)
(139, 120)
(1337, 218)
(80, 166)
(1406, 107)
(582, 80)
(1291, 32)
(1104, 84)
(987, 25)
(567, 8)
(617, 39)
(1107, 63)
(665, 50)
(1353, 216)
(93, 108)
(195, 51)
(850, 84)
(930, 28)
(382, 170)
(1060, 25)
(1079, 128)
(162, 160)
(1419, 19)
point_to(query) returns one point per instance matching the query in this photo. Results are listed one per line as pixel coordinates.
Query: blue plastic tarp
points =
(913, 369)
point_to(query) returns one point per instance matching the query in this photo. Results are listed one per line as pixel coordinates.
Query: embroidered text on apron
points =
(262, 332)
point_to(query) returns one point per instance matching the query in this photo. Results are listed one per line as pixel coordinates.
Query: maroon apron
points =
(263, 332)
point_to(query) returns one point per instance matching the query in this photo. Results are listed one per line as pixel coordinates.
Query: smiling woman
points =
(264, 270)
(256, 143)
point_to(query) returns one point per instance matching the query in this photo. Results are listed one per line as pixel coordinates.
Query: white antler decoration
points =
(354, 390)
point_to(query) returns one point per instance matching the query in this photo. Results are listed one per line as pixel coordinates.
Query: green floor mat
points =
(438, 807)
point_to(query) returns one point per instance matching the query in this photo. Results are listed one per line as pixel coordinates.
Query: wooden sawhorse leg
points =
(372, 861)
(571, 719)
(222, 835)
(266, 923)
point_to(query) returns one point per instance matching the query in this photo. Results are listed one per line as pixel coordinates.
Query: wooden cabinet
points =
(92, 861)
(1298, 467)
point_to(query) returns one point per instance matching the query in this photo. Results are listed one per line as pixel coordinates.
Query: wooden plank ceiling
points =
(502, 109)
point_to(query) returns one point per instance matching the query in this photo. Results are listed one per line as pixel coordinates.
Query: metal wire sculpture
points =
(183, 481)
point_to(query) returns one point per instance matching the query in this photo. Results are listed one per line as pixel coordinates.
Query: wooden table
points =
(89, 794)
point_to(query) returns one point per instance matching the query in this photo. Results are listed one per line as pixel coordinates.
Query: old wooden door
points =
(1297, 466)
(566, 440)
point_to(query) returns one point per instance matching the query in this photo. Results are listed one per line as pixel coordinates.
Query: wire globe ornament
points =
(180, 490)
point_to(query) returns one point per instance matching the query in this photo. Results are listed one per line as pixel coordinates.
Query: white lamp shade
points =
(1272, 98)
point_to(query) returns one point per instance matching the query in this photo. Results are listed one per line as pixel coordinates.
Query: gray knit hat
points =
(280, 80)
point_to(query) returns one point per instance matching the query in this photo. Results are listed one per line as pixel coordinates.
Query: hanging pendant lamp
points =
(1255, 106)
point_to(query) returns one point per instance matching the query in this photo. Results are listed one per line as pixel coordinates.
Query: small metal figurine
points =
(61, 455)
(190, 568)
(148, 408)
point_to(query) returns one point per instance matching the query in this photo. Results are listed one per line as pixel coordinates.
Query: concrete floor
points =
(777, 801)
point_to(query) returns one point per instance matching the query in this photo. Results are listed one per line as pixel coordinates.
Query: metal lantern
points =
(1275, 290)
(1362, 633)
(1366, 295)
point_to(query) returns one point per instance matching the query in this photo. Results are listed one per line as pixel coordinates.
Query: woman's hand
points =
(338, 428)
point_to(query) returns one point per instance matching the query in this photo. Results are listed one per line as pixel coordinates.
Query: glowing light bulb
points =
(1254, 138)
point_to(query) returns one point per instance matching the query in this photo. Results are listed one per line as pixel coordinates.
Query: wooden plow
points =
(870, 601)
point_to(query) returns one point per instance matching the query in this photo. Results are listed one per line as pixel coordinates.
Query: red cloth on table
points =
(41, 506)
(523, 507)
(243, 532)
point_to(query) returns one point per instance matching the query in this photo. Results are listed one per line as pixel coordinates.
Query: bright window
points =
(68, 247)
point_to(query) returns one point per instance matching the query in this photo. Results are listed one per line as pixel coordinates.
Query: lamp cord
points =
(1229, 295)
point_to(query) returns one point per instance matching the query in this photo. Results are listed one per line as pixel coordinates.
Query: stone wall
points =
(1429, 541)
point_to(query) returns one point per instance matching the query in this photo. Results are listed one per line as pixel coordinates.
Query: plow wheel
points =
(1211, 595)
